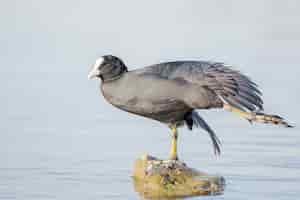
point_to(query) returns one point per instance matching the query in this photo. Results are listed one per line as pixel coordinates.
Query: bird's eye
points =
(99, 61)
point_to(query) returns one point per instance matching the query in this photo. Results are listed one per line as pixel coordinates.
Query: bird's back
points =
(188, 70)
(221, 83)
(191, 75)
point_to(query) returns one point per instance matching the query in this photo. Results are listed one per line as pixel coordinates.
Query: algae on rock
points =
(154, 178)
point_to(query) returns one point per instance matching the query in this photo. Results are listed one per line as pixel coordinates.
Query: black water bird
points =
(171, 93)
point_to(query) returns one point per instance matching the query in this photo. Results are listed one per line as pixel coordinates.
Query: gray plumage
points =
(220, 80)
(171, 92)
(199, 122)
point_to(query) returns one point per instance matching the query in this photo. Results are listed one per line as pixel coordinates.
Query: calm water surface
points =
(59, 139)
(56, 147)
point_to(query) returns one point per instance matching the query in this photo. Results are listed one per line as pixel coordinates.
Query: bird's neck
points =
(112, 89)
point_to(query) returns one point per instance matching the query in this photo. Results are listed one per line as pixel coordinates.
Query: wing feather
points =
(229, 85)
(234, 87)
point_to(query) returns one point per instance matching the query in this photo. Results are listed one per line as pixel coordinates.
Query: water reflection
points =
(145, 191)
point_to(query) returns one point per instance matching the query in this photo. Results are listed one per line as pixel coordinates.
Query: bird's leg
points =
(174, 143)
(258, 117)
(237, 111)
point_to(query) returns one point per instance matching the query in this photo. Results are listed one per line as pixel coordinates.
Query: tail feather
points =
(199, 122)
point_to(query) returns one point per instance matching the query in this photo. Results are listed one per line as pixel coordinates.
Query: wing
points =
(229, 86)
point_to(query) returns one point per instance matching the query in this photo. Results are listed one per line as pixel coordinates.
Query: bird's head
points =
(107, 68)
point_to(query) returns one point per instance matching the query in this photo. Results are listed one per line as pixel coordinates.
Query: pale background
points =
(59, 139)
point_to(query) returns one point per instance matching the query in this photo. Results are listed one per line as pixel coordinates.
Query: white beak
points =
(95, 70)
(93, 73)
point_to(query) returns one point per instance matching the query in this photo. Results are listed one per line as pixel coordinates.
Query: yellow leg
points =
(258, 117)
(237, 111)
(174, 143)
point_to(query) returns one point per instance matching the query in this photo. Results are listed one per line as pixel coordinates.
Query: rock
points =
(154, 178)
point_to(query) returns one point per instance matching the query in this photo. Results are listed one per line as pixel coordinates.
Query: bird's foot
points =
(258, 116)
(174, 157)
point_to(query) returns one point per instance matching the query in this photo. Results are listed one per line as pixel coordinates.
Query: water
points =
(54, 147)
(59, 139)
